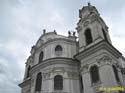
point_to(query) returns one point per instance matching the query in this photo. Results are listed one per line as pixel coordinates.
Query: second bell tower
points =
(99, 59)
(91, 27)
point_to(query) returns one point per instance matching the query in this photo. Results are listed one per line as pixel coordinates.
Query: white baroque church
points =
(60, 64)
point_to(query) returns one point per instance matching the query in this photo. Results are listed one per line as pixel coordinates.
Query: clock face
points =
(86, 23)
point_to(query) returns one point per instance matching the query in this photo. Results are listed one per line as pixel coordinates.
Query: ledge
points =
(53, 61)
(25, 82)
(98, 46)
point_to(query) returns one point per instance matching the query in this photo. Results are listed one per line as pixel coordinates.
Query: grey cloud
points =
(22, 21)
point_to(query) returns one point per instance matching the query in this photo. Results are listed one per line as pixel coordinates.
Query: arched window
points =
(58, 50)
(28, 70)
(94, 73)
(58, 82)
(41, 56)
(38, 82)
(123, 71)
(104, 33)
(116, 73)
(88, 36)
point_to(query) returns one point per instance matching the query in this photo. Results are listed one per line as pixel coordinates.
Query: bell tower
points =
(99, 59)
(91, 27)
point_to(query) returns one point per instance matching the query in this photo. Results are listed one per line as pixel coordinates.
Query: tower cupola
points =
(91, 28)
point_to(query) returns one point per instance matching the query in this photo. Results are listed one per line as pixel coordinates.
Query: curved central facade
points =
(60, 64)
(53, 59)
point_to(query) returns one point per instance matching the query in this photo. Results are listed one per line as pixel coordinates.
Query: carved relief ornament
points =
(46, 76)
(79, 28)
(86, 23)
(73, 75)
(104, 60)
(84, 68)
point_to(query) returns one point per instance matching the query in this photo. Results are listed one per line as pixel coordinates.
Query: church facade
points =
(60, 64)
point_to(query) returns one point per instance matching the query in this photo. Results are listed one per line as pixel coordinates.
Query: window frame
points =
(94, 73)
(58, 50)
(116, 73)
(41, 55)
(88, 36)
(58, 85)
(28, 70)
(105, 35)
(38, 85)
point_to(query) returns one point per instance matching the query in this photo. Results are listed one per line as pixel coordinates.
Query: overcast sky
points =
(22, 21)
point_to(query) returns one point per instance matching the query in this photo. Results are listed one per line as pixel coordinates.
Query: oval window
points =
(41, 57)
(58, 50)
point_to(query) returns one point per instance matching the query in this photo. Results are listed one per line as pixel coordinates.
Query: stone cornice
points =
(68, 41)
(70, 74)
(73, 75)
(29, 61)
(52, 61)
(25, 82)
(99, 46)
(49, 33)
(104, 60)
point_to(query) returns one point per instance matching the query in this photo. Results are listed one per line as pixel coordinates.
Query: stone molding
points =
(46, 76)
(73, 75)
(53, 61)
(29, 61)
(58, 92)
(99, 62)
(25, 82)
(104, 60)
(94, 18)
(70, 75)
(60, 71)
(86, 23)
(84, 68)
(79, 28)
(32, 81)
(68, 41)
(96, 47)
(55, 70)
(90, 18)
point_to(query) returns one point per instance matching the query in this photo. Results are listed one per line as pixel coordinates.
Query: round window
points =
(58, 50)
